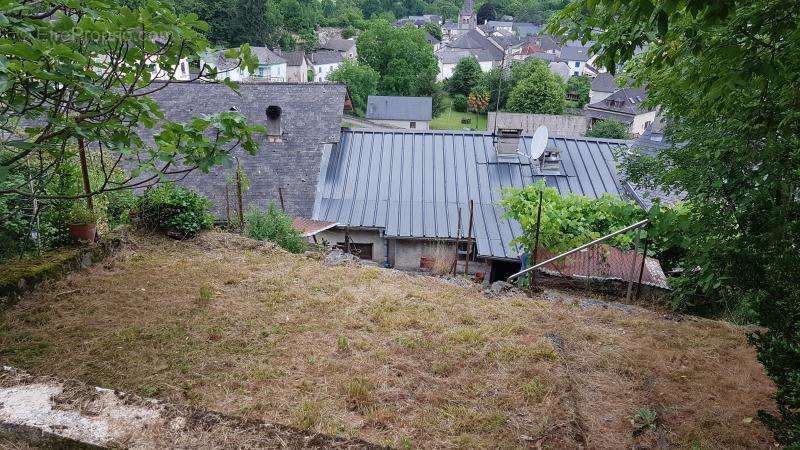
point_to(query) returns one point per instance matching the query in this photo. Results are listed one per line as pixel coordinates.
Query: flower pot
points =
(82, 232)
(426, 262)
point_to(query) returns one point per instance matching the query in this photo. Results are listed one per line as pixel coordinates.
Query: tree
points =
(612, 129)
(495, 81)
(466, 75)
(74, 89)
(540, 92)
(361, 80)
(402, 57)
(485, 13)
(433, 29)
(478, 101)
(725, 75)
(580, 86)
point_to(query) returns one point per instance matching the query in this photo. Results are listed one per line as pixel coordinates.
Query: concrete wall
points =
(297, 74)
(420, 124)
(556, 125)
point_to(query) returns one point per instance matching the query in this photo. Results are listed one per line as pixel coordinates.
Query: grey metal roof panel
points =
(412, 184)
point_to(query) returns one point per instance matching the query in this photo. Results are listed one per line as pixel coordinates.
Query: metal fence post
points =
(536, 240)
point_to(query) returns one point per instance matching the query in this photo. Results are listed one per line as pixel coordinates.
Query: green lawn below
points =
(451, 120)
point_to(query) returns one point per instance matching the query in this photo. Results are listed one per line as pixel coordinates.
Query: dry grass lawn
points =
(245, 329)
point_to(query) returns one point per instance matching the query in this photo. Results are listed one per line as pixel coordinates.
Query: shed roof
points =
(382, 107)
(411, 184)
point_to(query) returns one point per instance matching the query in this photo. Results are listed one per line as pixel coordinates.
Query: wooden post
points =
(633, 267)
(227, 205)
(239, 193)
(641, 268)
(458, 241)
(469, 237)
(536, 240)
(280, 197)
(87, 189)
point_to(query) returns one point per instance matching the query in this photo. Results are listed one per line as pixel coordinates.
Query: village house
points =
(323, 62)
(473, 43)
(603, 85)
(271, 66)
(347, 47)
(624, 105)
(301, 119)
(435, 42)
(296, 66)
(577, 59)
(419, 21)
(401, 197)
(400, 112)
(179, 72)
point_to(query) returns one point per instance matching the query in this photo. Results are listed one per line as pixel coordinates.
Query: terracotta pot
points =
(426, 262)
(82, 232)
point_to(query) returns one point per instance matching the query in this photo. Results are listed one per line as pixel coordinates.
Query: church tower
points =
(467, 20)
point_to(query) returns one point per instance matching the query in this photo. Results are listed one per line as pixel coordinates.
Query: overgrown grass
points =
(396, 359)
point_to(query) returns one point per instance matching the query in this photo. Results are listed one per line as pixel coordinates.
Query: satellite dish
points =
(539, 142)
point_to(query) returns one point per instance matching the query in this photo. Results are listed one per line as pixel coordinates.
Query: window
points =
(363, 251)
(183, 67)
(412, 124)
(261, 72)
(577, 63)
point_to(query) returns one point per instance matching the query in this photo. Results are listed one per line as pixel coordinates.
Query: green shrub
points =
(81, 215)
(175, 210)
(275, 226)
(460, 103)
(612, 129)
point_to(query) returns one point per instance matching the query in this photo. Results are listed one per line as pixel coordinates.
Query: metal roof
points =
(411, 184)
(385, 107)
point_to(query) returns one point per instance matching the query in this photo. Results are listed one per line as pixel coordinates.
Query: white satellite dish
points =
(539, 142)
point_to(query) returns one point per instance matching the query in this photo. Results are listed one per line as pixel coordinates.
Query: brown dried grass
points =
(426, 364)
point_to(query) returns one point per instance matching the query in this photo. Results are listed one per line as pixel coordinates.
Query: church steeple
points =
(466, 18)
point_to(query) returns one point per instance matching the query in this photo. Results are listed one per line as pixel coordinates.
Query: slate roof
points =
(474, 40)
(410, 184)
(380, 107)
(341, 45)
(311, 119)
(267, 56)
(525, 29)
(433, 40)
(325, 57)
(294, 59)
(570, 53)
(604, 82)
(623, 102)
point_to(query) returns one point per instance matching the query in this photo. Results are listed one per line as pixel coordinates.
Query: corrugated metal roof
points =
(411, 184)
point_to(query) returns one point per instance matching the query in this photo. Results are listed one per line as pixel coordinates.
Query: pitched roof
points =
(570, 53)
(341, 45)
(382, 107)
(266, 56)
(295, 58)
(311, 119)
(624, 101)
(604, 82)
(475, 40)
(411, 184)
(325, 57)
(525, 29)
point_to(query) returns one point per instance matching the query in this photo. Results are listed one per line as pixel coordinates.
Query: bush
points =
(175, 210)
(81, 215)
(460, 103)
(275, 226)
(611, 129)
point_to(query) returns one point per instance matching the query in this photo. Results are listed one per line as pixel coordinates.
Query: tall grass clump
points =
(275, 226)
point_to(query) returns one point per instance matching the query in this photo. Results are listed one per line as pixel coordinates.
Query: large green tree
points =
(361, 80)
(726, 76)
(402, 56)
(466, 76)
(74, 85)
(538, 92)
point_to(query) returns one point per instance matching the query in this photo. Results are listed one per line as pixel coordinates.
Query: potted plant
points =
(82, 224)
